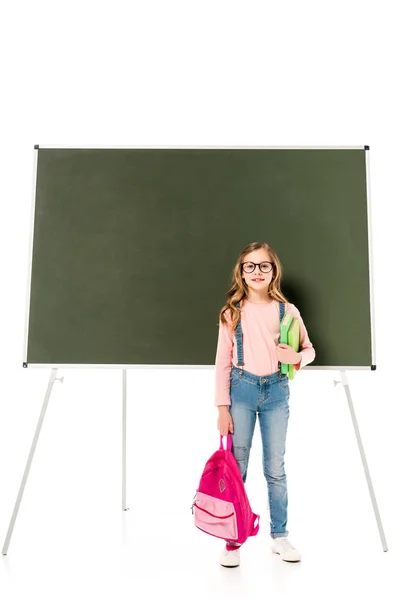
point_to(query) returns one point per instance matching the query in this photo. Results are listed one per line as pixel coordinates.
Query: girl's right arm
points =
(223, 364)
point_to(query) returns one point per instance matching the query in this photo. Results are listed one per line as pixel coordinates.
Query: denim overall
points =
(267, 396)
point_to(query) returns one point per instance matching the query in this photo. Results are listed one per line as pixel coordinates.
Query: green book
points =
(290, 334)
(294, 342)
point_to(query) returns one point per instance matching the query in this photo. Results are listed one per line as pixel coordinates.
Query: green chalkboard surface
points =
(133, 249)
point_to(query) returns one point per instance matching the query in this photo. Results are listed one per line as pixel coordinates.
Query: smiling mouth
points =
(258, 279)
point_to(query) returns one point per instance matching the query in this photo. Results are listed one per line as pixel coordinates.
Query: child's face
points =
(258, 256)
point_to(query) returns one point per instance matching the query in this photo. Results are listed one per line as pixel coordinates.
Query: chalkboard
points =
(132, 250)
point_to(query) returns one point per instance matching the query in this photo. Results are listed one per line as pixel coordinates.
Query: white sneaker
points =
(287, 551)
(229, 558)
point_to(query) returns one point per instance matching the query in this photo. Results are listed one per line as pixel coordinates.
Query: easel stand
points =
(53, 378)
(346, 386)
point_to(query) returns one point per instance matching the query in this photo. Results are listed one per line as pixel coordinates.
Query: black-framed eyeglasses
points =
(248, 267)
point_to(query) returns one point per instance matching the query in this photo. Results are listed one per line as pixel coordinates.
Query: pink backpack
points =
(221, 506)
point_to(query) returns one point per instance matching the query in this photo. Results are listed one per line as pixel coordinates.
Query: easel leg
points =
(124, 440)
(364, 460)
(28, 464)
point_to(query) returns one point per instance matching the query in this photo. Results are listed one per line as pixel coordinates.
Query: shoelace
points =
(286, 542)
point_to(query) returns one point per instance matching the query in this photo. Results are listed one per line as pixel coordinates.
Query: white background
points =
(183, 74)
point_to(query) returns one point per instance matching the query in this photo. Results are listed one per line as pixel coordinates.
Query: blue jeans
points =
(267, 396)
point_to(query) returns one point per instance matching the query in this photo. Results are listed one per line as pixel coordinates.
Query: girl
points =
(249, 330)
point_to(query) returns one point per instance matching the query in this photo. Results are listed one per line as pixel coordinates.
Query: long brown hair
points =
(239, 288)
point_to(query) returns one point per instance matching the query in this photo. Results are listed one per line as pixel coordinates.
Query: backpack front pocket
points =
(215, 516)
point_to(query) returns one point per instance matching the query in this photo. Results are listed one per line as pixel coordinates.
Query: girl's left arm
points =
(307, 351)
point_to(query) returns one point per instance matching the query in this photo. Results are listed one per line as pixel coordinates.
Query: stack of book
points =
(290, 334)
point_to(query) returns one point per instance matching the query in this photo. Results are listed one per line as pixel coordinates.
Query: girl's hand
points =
(225, 423)
(287, 355)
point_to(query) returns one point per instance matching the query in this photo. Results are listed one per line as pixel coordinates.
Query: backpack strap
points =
(228, 442)
(256, 527)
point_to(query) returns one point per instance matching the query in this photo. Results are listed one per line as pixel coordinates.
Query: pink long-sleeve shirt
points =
(260, 335)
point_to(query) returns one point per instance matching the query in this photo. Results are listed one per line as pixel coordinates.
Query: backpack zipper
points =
(216, 516)
(194, 500)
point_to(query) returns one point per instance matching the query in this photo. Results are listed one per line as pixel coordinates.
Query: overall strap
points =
(239, 341)
(281, 315)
